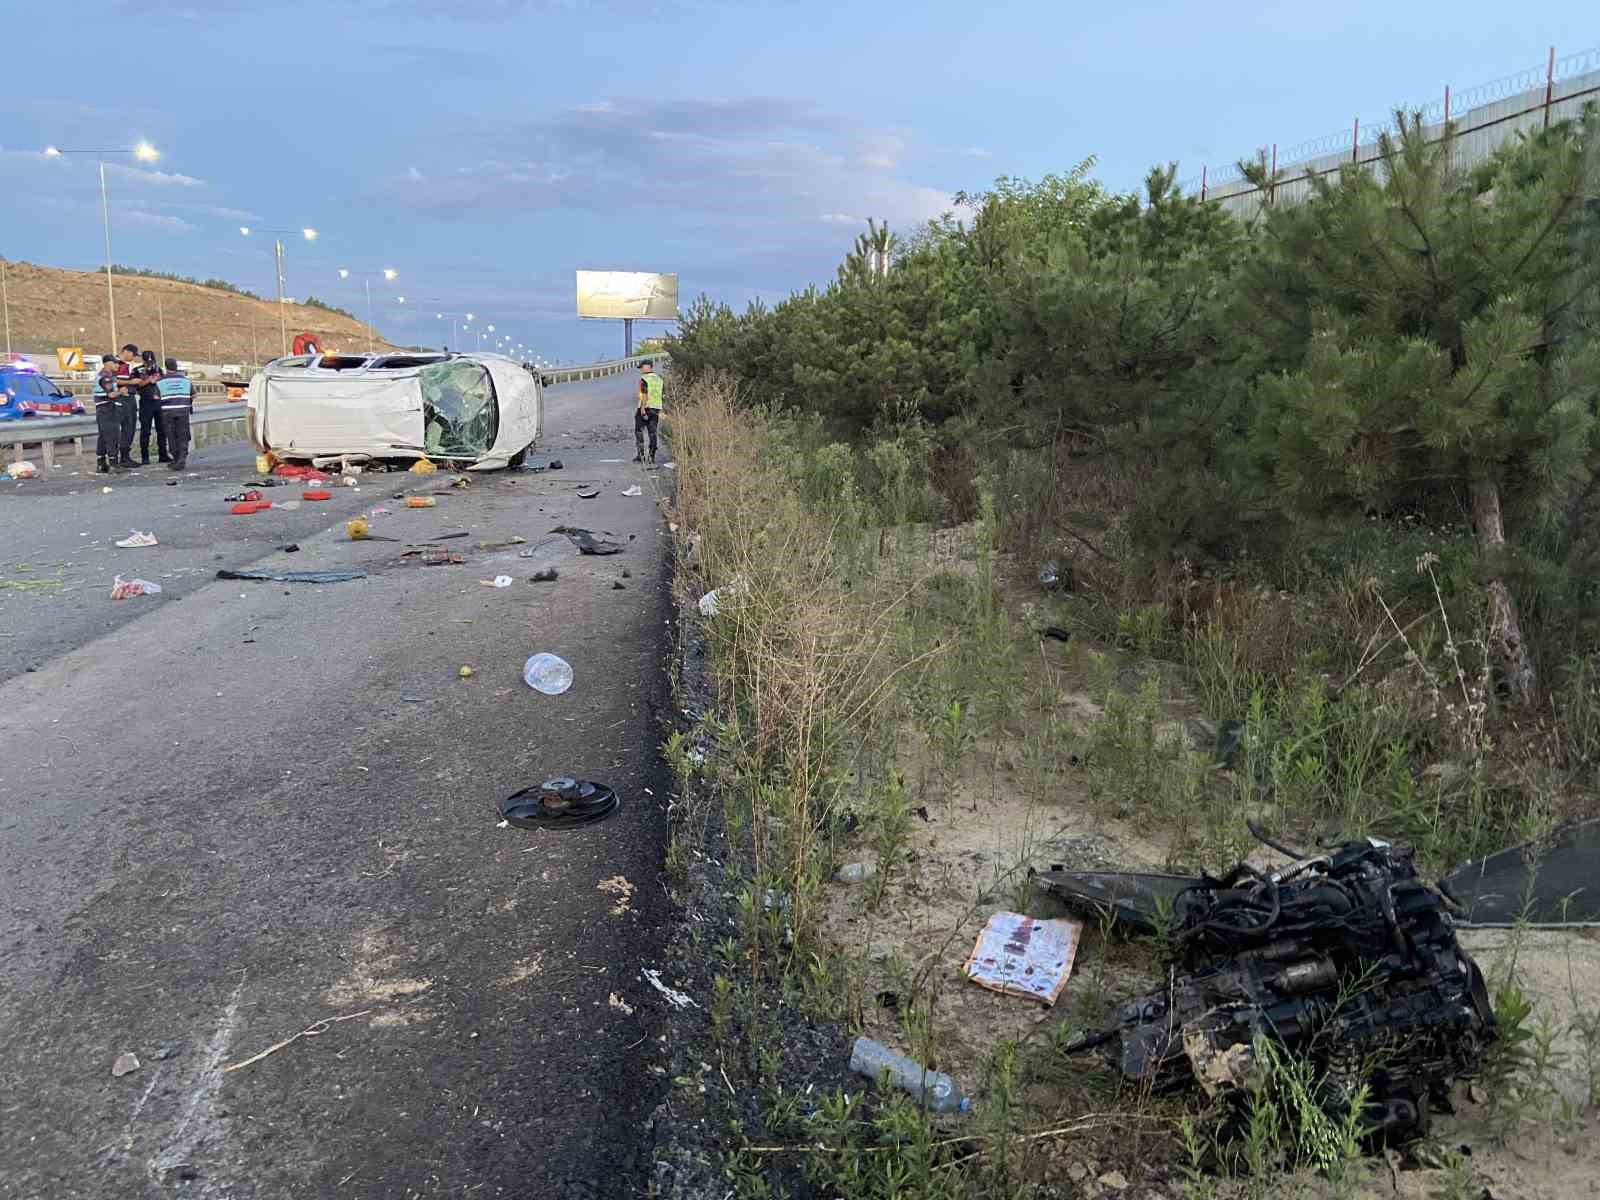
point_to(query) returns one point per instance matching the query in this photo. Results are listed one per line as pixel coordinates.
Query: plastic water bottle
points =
(941, 1093)
(548, 674)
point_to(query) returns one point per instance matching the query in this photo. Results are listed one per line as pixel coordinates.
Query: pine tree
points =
(1424, 321)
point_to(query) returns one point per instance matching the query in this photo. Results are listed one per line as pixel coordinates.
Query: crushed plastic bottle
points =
(934, 1088)
(856, 872)
(548, 674)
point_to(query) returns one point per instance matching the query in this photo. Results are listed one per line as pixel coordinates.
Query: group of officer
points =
(132, 392)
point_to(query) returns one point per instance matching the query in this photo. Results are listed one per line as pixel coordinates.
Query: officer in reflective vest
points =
(648, 414)
(177, 402)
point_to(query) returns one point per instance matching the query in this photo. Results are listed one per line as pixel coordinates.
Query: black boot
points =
(126, 461)
(100, 466)
(144, 460)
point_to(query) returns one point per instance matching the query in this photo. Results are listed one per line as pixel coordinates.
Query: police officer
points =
(150, 408)
(648, 415)
(107, 415)
(128, 401)
(177, 402)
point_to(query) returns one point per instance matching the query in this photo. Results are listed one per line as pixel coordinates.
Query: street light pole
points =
(145, 152)
(105, 217)
(283, 312)
(5, 295)
(310, 235)
(161, 321)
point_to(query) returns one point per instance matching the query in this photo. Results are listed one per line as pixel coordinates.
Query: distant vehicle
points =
(26, 391)
(473, 411)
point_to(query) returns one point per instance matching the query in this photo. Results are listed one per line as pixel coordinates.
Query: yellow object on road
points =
(357, 528)
(423, 467)
(420, 502)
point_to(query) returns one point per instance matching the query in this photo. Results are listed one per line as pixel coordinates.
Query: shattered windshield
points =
(460, 414)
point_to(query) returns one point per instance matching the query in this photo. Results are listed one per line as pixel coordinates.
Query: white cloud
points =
(146, 177)
(148, 222)
(836, 218)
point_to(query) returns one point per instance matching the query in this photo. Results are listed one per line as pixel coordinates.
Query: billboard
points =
(636, 294)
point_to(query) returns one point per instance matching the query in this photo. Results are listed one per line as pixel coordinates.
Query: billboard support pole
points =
(627, 337)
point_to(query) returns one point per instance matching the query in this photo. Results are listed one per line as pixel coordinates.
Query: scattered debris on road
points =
(499, 581)
(137, 539)
(586, 542)
(293, 576)
(126, 1064)
(589, 493)
(1018, 955)
(561, 803)
(122, 588)
(544, 575)
(466, 672)
(635, 490)
(423, 467)
(621, 1005)
(547, 673)
(1345, 958)
(22, 469)
(316, 494)
(310, 1031)
(420, 502)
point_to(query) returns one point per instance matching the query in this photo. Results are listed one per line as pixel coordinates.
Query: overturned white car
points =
(472, 411)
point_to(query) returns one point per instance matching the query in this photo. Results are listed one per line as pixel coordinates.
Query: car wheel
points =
(517, 459)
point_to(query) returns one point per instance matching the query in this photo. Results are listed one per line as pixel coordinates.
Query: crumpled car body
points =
(471, 411)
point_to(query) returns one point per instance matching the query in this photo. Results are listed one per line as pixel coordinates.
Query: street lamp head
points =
(471, 316)
(491, 329)
(245, 230)
(310, 234)
(389, 273)
(51, 152)
(145, 152)
(402, 299)
(343, 274)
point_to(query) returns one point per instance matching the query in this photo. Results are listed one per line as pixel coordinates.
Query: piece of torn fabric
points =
(1017, 955)
(586, 542)
(1550, 882)
(294, 576)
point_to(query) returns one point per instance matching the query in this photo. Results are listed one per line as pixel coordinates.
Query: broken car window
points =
(460, 414)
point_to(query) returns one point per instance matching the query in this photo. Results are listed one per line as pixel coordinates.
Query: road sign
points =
(70, 357)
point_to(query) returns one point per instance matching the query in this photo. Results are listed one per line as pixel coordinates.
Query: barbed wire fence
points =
(1485, 117)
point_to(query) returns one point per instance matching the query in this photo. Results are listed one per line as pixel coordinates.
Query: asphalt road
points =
(239, 812)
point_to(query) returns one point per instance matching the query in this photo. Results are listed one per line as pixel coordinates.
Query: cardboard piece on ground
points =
(1024, 956)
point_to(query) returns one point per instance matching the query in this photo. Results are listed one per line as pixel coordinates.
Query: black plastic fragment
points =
(294, 576)
(1057, 633)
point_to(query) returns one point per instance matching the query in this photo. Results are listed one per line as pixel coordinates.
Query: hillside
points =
(49, 305)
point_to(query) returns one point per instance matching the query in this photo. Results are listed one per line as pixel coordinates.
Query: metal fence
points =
(1485, 117)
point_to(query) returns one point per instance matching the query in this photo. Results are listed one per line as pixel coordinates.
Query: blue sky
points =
(487, 148)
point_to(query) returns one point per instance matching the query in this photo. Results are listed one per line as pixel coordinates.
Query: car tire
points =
(516, 460)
